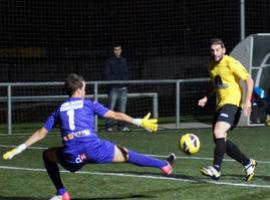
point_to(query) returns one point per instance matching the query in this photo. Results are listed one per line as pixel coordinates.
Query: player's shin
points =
(144, 161)
(219, 152)
(233, 151)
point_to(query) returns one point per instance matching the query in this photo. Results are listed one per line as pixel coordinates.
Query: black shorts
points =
(228, 113)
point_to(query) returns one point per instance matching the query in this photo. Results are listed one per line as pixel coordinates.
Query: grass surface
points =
(24, 177)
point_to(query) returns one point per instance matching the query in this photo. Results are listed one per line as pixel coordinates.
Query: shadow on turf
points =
(196, 180)
(242, 177)
(128, 196)
(150, 192)
(174, 176)
(92, 198)
(266, 178)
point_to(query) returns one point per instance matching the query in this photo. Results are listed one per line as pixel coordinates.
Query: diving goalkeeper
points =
(81, 144)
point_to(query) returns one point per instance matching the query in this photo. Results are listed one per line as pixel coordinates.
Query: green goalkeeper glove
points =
(13, 152)
(149, 124)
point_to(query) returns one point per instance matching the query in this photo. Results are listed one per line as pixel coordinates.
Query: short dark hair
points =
(72, 83)
(217, 41)
(117, 45)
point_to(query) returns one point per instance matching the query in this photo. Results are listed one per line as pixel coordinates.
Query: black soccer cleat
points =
(170, 160)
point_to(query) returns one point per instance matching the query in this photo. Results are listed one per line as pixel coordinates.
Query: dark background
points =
(45, 40)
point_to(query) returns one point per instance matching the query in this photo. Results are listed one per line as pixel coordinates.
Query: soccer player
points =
(226, 73)
(81, 144)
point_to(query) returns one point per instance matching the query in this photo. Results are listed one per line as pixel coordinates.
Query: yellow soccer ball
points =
(189, 143)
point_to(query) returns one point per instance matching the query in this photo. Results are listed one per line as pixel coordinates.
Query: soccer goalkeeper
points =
(81, 144)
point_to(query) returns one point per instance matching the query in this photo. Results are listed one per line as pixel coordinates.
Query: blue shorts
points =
(76, 155)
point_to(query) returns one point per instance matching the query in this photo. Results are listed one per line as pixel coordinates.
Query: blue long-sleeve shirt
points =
(76, 115)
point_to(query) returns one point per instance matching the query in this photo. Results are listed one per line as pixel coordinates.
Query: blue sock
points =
(144, 161)
(61, 191)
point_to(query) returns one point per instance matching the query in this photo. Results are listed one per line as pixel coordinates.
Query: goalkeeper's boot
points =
(167, 169)
(249, 169)
(211, 171)
(65, 196)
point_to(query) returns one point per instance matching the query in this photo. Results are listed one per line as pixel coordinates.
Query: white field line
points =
(12, 146)
(144, 177)
(157, 156)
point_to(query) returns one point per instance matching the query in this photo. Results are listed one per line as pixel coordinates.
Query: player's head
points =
(117, 50)
(218, 49)
(75, 85)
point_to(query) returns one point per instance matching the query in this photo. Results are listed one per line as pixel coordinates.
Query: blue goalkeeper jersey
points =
(76, 116)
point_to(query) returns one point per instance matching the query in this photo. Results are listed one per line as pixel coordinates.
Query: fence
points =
(14, 94)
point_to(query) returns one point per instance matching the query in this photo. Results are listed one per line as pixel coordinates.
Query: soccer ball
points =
(189, 143)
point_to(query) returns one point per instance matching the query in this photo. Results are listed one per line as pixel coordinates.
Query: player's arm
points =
(247, 102)
(150, 124)
(240, 71)
(202, 101)
(35, 137)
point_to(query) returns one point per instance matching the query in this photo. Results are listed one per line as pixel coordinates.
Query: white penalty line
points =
(157, 156)
(13, 146)
(143, 176)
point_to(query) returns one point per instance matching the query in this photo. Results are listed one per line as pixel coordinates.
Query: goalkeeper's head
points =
(75, 85)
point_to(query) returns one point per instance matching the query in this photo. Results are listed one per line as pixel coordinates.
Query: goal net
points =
(43, 41)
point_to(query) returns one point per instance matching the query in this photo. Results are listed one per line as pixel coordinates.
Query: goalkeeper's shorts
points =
(73, 159)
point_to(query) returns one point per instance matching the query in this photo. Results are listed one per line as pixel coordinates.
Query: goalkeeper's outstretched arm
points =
(35, 137)
(150, 124)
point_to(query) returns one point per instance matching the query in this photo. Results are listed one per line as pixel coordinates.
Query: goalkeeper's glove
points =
(149, 124)
(13, 152)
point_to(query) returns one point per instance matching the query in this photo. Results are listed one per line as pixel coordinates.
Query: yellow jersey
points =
(225, 76)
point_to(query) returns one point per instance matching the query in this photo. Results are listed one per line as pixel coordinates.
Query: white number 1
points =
(71, 122)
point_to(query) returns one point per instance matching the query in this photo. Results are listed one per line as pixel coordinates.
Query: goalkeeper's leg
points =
(124, 155)
(50, 159)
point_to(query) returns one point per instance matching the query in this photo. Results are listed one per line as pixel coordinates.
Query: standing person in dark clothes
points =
(116, 69)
